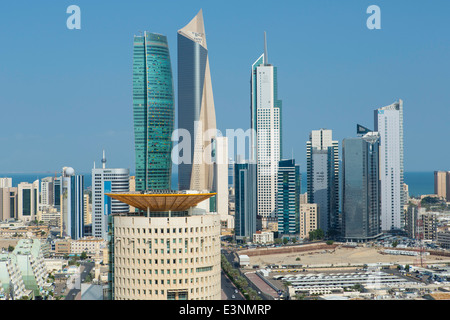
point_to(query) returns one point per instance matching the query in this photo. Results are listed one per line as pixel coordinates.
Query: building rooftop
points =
(161, 202)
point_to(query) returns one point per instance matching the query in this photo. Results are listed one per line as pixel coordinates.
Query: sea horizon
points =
(419, 182)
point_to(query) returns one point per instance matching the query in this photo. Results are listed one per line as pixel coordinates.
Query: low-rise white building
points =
(244, 260)
(91, 245)
(263, 237)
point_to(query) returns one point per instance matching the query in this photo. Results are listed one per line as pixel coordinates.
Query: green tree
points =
(88, 278)
(316, 234)
(285, 240)
(83, 255)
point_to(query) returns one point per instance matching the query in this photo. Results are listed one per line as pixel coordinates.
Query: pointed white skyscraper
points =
(196, 112)
(266, 126)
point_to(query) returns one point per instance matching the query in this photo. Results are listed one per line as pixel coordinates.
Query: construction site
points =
(347, 271)
(339, 255)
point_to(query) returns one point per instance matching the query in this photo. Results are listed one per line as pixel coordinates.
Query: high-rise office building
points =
(308, 219)
(245, 200)
(266, 146)
(107, 180)
(57, 192)
(361, 191)
(220, 158)
(46, 192)
(322, 158)
(153, 111)
(442, 184)
(448, 186)
(196, 113)
(87, 209)
(230, 173)
(8, 203)
(72, 208)
(27, 200)
(389, 124)
(5, 182)
(288, 198)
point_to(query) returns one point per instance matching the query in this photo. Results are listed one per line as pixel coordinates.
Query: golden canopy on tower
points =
(161, 202)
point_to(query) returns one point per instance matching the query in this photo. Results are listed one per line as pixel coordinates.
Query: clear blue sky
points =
(65, 95)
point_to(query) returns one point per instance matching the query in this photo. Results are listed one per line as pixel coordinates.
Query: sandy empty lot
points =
(341, 256)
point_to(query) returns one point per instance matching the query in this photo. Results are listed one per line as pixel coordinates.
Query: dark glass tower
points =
(245, 200)
(288, 197)
(361, 187)
(153, 111)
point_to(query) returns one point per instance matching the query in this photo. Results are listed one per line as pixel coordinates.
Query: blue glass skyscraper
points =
(288, 197)
(153, 111)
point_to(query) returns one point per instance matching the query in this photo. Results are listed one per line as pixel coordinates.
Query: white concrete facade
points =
(103, 179)
(27, 200)
(221, 176)
(268, 138)
(389, 124)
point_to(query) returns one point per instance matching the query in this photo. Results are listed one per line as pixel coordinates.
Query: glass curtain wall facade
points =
(72, 206)
(153, 111)
(361, 188)
(245, 200)
(322, 158)
(288, 198)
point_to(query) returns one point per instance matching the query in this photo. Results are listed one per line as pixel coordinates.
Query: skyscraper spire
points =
(266, 57)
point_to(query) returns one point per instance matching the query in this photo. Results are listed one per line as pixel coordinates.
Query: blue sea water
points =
(418, 182)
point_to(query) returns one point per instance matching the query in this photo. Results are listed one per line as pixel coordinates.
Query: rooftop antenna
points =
(104, 160)
(266, 57)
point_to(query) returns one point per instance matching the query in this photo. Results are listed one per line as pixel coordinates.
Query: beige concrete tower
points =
(196, 112)
(169, 252)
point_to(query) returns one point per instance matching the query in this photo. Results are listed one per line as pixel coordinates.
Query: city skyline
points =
(368, 72)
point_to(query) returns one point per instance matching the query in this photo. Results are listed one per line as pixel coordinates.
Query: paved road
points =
(232, 257)
(229, 289)
(85, 269)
